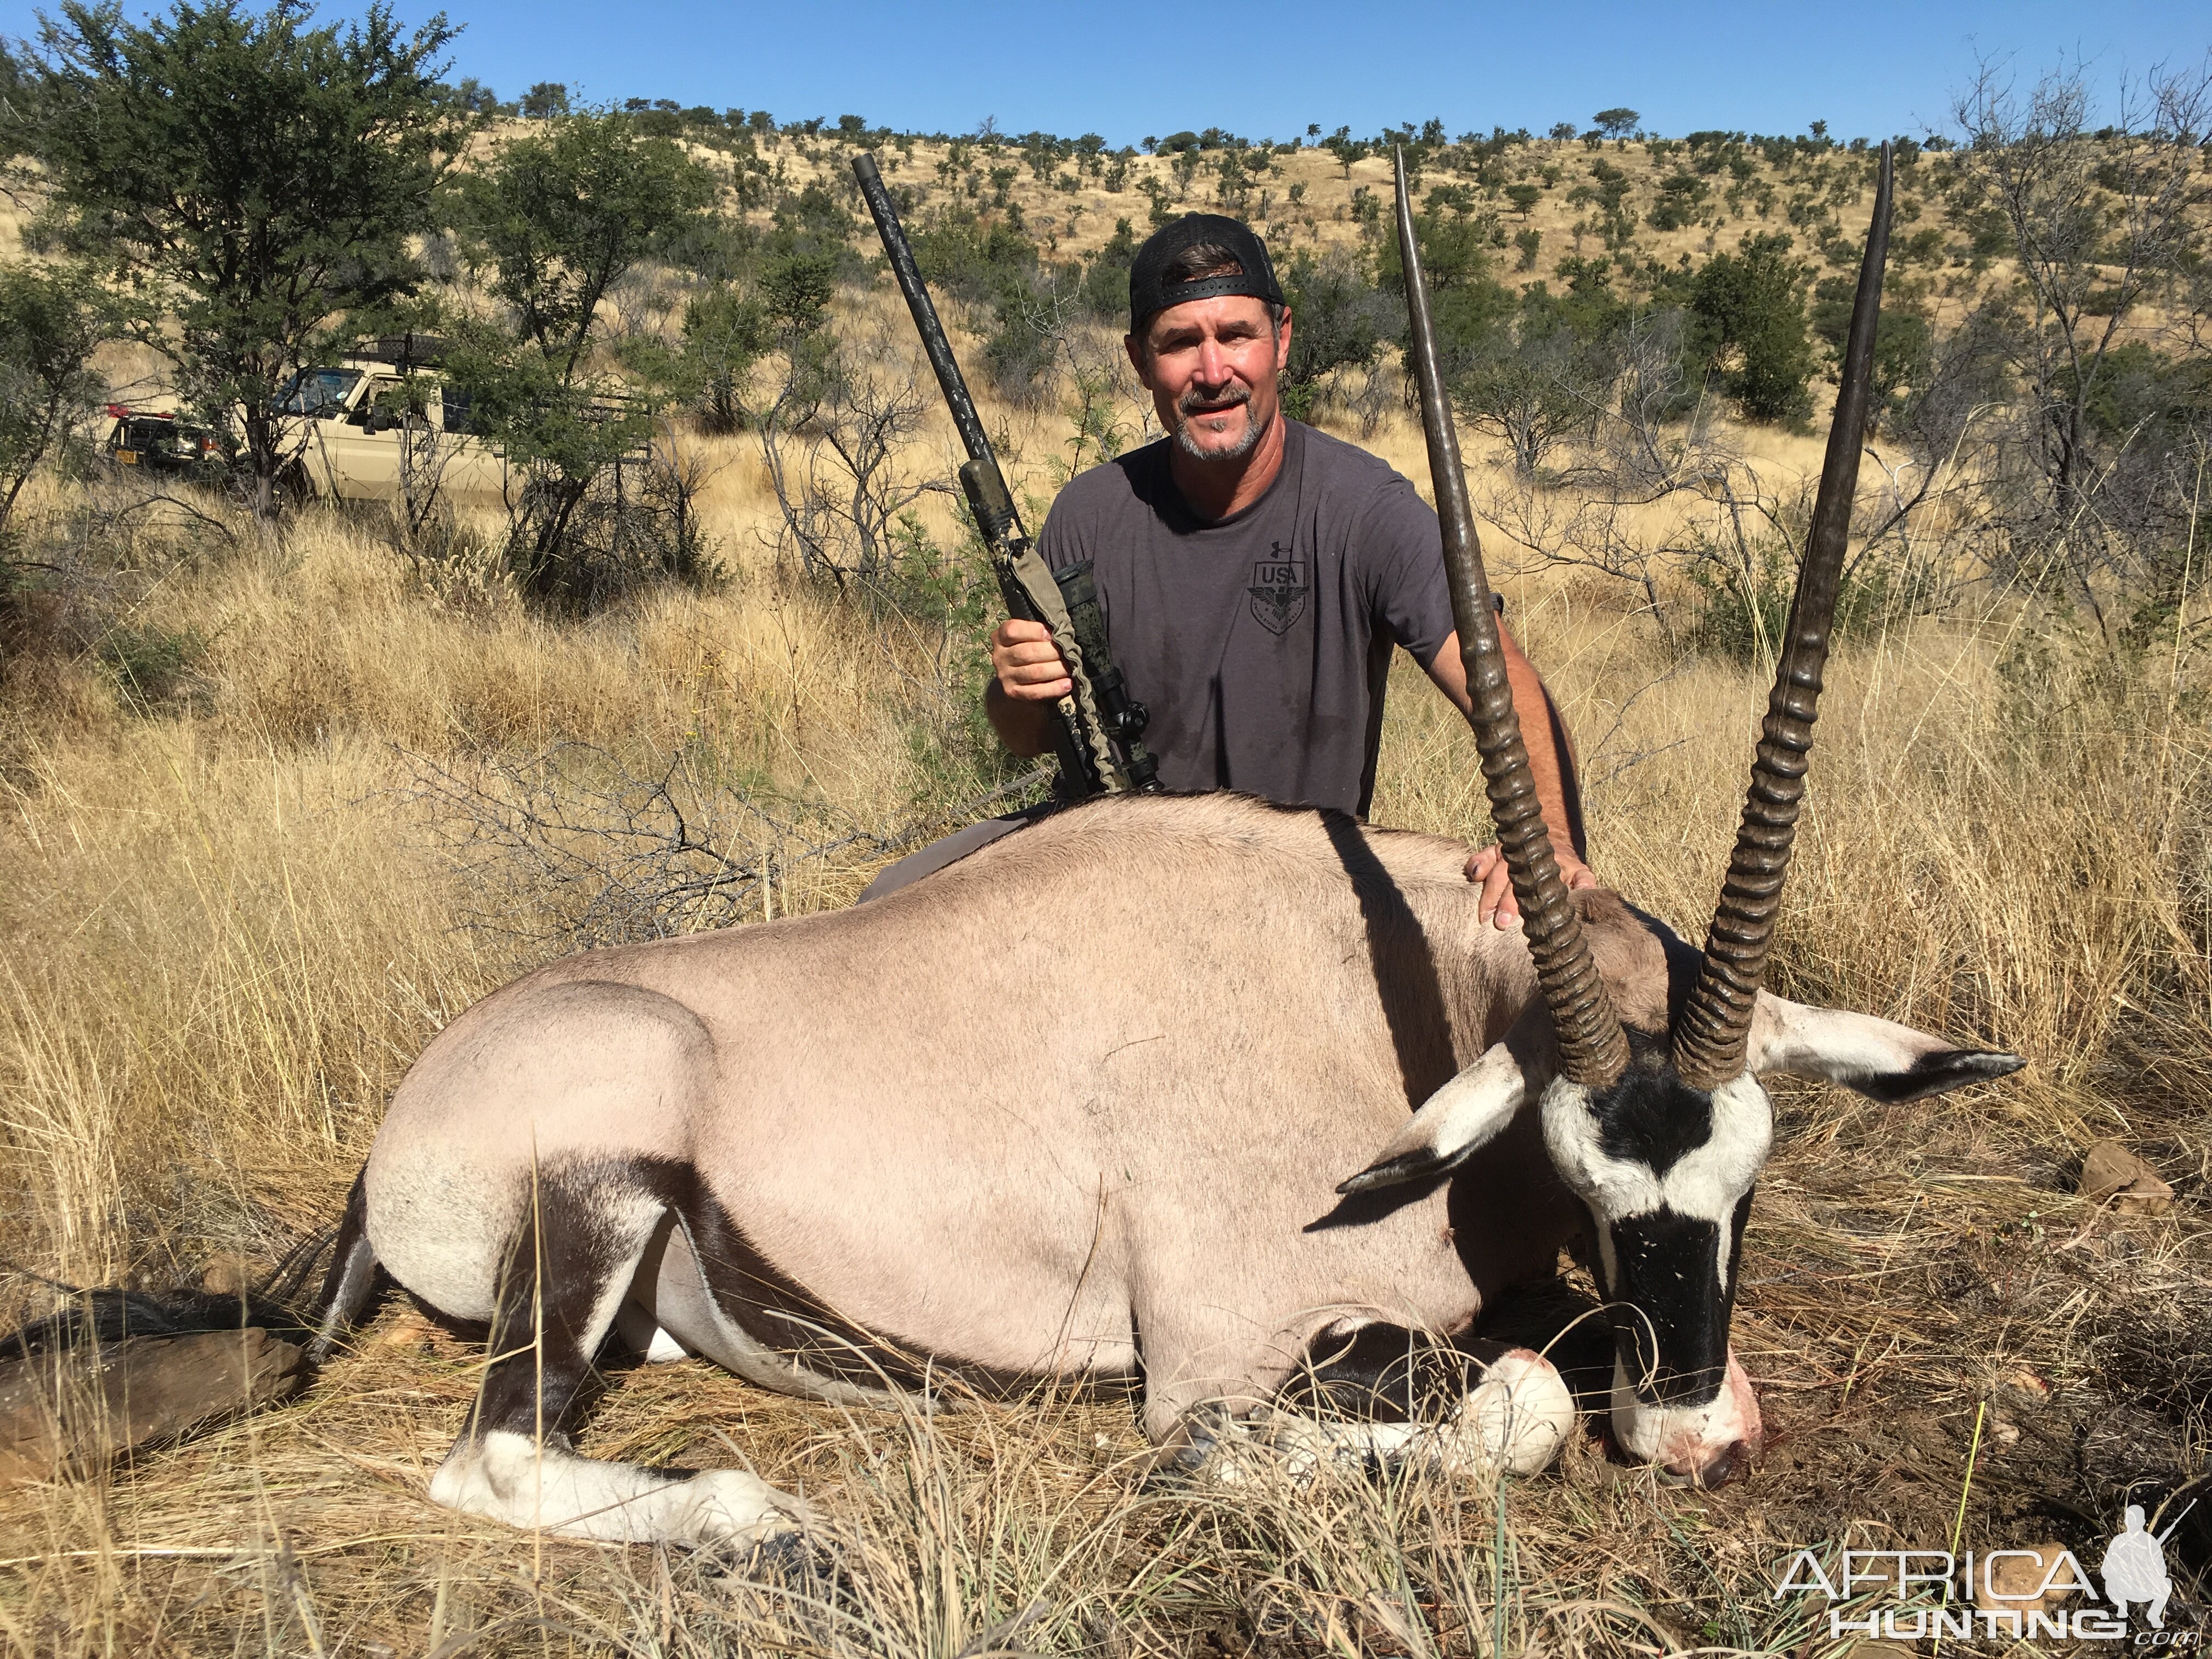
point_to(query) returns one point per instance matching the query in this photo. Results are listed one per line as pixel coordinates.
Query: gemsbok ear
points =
(1882, 1060)
(1453, 1124)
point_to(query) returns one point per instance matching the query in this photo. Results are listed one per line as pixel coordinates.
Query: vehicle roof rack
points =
(404, 350)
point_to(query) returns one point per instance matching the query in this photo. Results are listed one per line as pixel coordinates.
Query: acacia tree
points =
(545, 100)
(2103, 224)
(550, 229)
(1532, 386)
(247, 183)
(726, 333)
(1751, 308)
(49, 324)
(1339, 321)
(15, 114)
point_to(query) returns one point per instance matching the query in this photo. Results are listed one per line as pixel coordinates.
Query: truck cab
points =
(356, 429)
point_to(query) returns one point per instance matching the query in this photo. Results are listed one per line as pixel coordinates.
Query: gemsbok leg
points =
(581, 1235)
(1383, 1393)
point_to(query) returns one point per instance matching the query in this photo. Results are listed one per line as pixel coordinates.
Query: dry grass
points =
(229, 932)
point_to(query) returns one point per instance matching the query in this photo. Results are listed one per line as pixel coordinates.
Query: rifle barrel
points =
(1099, 717)
(934, 339)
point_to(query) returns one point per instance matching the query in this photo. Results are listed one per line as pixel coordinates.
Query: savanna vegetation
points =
(287, 786)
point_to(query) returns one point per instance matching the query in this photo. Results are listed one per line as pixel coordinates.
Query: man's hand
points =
(1497, 904)
(1027, 664)
(1027, 677)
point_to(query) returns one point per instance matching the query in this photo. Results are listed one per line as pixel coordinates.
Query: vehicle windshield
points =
(318, 390)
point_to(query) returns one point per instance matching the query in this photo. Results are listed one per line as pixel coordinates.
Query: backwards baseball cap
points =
(1152, 287)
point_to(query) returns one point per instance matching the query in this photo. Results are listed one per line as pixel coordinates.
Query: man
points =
(1254, 574)
(2134, 1570)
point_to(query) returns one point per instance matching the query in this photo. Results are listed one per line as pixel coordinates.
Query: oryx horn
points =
(1712, 1029)
(1593, 1051)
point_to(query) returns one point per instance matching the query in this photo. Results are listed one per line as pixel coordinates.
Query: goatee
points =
(1192, 405)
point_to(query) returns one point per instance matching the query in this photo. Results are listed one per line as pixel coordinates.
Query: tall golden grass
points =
(230, 929)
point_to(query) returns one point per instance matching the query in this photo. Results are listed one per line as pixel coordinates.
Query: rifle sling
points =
(1035, 578)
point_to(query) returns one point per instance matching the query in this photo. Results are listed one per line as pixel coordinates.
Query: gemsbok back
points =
(1301, 1116)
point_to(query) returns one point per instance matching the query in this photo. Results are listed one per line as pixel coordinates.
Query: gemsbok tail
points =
(349, 1284)
(104, 1314)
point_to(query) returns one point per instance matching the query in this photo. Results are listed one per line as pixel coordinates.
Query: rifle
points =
(1098, 729)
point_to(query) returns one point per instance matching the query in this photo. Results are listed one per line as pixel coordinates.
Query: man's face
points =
(1211, 367)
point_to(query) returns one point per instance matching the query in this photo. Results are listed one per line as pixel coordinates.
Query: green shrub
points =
(726, 333)
(1016, 352)
(1751, 305)
(1904, 345)
(1339, 319)
(974, 260)
(150, 665)
(1680, 194)
(1740, 616)
(50, 326)
(798, 288)
(1106, 278)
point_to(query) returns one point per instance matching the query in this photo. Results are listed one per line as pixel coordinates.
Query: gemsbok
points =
(1292, 1113)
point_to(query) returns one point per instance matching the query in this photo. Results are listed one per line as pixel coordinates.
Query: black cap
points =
(1149, 289)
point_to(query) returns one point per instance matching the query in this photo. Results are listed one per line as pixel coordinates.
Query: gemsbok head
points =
(1658, 1123)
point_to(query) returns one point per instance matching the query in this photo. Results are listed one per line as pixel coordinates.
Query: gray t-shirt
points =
(1261, 643)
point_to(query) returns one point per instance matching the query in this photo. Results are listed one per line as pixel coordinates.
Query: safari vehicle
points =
(162, 443)
(358, 431)
(353, 432)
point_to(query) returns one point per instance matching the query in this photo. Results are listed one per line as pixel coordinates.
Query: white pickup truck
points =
(355, 429)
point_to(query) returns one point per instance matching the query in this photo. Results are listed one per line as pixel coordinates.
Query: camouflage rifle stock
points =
(1098, 729)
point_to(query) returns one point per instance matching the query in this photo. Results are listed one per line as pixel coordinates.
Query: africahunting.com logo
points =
(2018, 1594)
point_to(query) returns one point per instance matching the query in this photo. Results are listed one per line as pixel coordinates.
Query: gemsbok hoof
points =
(790, 1559)
(1516, 1419)
(509, 1477)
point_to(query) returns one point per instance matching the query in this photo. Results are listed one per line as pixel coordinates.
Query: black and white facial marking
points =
(1670, 1306)
(1666, 1171)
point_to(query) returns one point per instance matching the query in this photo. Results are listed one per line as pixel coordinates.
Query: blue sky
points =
(1867, 67)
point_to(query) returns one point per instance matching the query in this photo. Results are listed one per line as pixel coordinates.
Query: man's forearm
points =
(1024, 727)
(1551, 751)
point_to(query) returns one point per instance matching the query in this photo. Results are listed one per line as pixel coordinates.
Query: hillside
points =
(1307, 200)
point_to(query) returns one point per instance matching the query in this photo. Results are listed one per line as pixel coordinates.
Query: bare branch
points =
(571, 847)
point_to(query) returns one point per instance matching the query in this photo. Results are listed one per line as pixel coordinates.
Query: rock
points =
(2009, 1583)
(79, 1409)
(2115, 1178)
(228, 1274)
(404, 1329)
